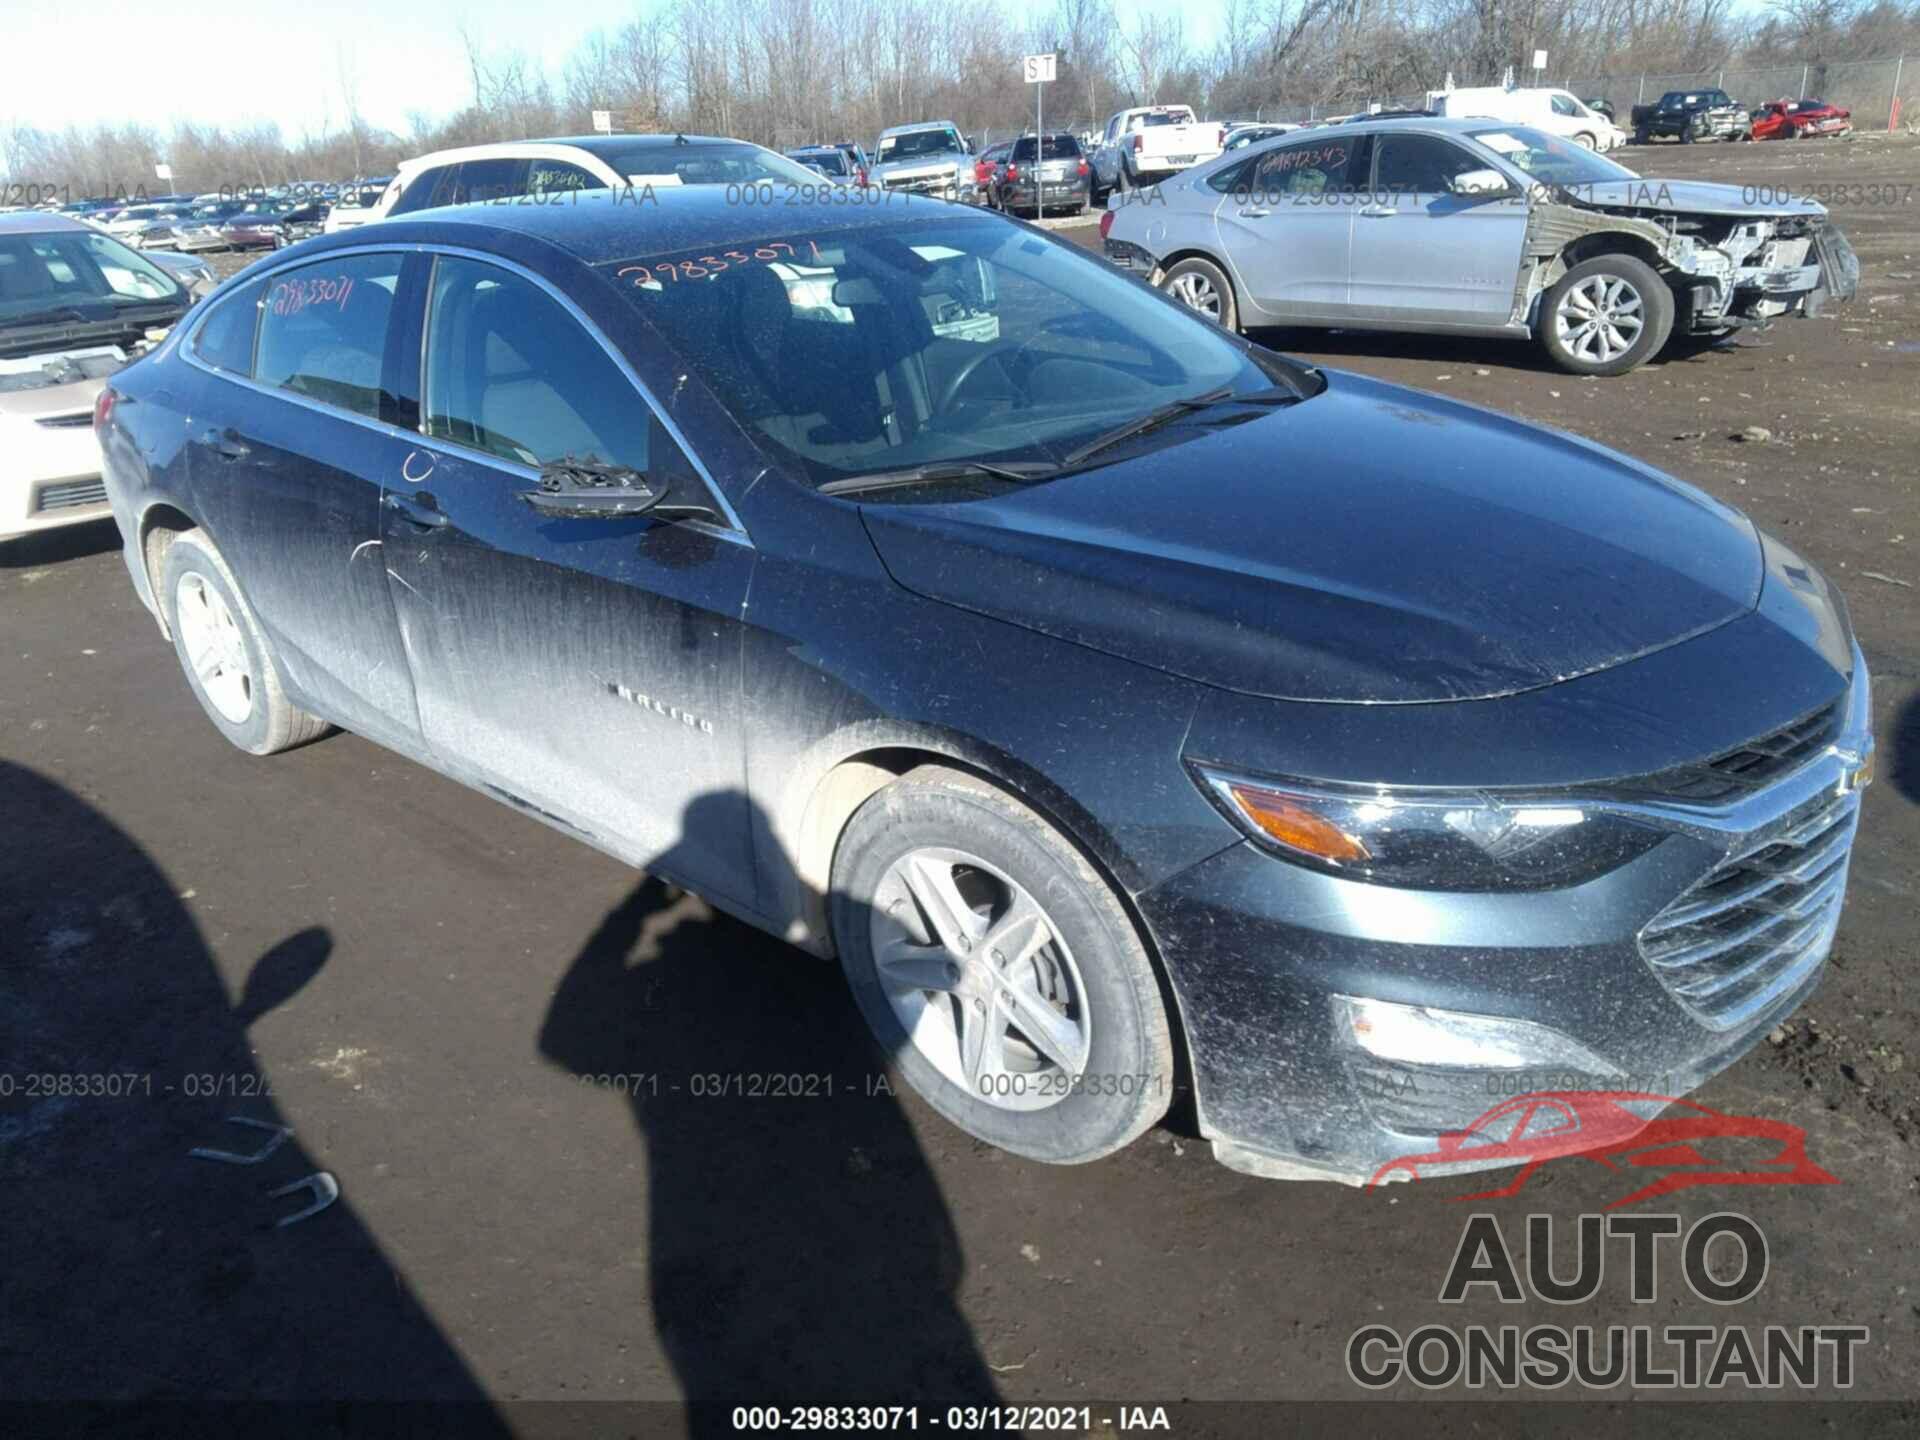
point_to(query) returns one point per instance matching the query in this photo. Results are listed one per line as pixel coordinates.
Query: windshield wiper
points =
(1020, 472)
(1173, 410)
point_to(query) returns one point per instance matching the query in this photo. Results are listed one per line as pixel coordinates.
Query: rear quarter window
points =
(225, 338)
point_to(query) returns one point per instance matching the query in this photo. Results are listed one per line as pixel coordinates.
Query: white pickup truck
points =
(1147, 144)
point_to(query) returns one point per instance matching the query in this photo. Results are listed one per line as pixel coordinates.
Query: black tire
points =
(1641, 137)
(273, 723)
(1212, 280)
(1686, 133)
(1657, 308)
(1129, 1067)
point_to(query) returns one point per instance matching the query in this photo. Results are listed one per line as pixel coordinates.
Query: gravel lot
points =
(432, 989)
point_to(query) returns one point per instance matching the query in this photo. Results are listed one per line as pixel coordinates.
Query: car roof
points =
(39, 222)
(1439, 124)
(598, 146)
(607, 225)
(918, 126)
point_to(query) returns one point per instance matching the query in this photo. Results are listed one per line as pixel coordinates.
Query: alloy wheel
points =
(1196, 292)
(1600, 319)
(980, 978)
(214, 645)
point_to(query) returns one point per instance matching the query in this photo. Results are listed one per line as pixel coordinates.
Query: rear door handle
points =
(228, 444)
(1254, 214)
(416, 511)
(1379, 212)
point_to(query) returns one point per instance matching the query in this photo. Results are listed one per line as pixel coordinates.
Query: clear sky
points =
(233, 62)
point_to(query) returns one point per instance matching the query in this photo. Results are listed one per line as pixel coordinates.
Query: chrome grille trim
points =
(1757, 926)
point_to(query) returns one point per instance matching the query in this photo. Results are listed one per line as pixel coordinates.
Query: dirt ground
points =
(440, 996)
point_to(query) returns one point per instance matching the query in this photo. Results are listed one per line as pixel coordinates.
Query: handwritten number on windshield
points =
(706, 265)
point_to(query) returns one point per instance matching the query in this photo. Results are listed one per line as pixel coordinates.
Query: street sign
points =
(1539, 59)
(1040, 68)
(163, 172)
(603, 121)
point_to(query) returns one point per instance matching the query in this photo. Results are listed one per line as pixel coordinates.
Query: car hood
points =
(1372, 544)
(1692, 197)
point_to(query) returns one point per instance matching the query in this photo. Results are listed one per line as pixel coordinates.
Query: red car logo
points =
(1678, 1143)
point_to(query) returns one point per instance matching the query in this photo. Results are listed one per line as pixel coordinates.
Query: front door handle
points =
(228, 445)
(418, 510)
(1255, 214)
(1379, 212)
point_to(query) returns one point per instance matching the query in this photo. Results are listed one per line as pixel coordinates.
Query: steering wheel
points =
(1091, 321)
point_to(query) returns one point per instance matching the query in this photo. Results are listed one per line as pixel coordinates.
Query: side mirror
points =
(592, 489)
(1480, 182)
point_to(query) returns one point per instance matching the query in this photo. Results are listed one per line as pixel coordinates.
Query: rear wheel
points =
(1606, 316)
(228, 661)
(1202, 286)
(998, 970)
(1584, 141)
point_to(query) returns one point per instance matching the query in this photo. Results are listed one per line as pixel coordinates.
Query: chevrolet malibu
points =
(1115, 699)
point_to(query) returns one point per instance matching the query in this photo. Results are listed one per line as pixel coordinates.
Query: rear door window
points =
(323, 332)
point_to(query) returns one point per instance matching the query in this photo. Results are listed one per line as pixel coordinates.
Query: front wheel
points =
(1202, 286)
(1606, 316)
(1585, 141)
(998, 970)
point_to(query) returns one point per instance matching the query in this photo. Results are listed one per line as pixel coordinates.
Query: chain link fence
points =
(1866, 87)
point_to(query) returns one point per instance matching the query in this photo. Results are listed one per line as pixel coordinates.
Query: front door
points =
(587, 669)
(1424, 252)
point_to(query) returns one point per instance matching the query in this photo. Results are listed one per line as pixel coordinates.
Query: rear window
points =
(1059, 147)
(834, 162)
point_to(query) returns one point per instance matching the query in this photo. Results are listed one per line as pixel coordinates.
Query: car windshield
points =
(696, 163)
(49, 274)
(948, 341)
(919, 142)
(1548, 158)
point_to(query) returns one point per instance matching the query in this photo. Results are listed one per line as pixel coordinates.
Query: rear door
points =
(297, 426)
(1286, 227)
(587, 669)
(1426, 254)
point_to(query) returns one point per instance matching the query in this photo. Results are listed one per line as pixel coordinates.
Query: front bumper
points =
(1057, 192)
(51, 474)
(1627, 971)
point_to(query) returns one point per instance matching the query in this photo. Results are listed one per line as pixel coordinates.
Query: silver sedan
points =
(1477, 227)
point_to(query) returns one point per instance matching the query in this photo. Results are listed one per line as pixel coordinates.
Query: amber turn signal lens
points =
(1289, 822)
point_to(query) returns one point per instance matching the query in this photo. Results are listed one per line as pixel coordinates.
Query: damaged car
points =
(75, 306)
(1471, 227)
(1116, 699)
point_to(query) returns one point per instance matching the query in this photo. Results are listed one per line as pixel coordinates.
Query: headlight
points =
(1431, 840)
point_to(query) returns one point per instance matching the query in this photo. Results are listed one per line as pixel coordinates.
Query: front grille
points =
(75, 421)
(1760, 923)
(1745, 768)
(71, 494)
